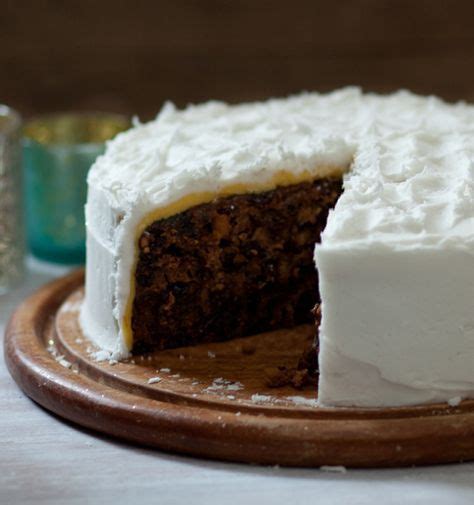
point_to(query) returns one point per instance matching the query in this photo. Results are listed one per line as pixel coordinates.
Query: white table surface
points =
(46, 460)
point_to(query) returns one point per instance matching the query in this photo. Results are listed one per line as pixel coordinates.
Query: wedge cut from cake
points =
(220, 221)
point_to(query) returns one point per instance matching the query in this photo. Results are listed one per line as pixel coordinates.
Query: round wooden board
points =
(212, 400)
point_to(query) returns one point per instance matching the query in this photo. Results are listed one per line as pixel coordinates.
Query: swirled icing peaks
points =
(411, 158)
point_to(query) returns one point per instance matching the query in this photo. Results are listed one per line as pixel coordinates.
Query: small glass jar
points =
(11, 214)
(58, 151)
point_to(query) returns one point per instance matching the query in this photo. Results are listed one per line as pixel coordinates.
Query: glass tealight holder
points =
(58, 151)
(11, 214)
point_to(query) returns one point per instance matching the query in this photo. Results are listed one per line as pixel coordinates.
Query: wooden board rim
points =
(350, 437)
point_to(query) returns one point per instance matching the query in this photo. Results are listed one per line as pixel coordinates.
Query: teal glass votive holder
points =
(58, 151)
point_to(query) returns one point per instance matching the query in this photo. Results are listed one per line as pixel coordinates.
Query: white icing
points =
(397, 324)
(396, 259)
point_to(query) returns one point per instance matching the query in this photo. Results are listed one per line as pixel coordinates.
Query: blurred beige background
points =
(131, 56)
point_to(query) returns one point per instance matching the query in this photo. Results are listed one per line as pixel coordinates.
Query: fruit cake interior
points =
(237, 266)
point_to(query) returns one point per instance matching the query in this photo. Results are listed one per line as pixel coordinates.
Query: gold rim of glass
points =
(73, 128)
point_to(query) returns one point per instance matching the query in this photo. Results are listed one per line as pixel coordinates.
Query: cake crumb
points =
(52, 349)
(154, 380)
(213, 388)
(63, 362)
(211, 354)
(181, 357)
(276, 377)
(221, 384)
(165, 370)
(333, 469)
(175, 376)
(258, 398)
(230, 397)
(248, 348)
(302, 401)
(236, 386)
(455, 401)
(281, 376)
(238, 413)
(300, 378)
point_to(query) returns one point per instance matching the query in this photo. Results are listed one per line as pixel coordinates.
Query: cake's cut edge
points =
(239, 265)
(280, 179)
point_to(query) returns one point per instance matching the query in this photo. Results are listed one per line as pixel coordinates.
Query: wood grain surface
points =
(131, 56)
(192, 409)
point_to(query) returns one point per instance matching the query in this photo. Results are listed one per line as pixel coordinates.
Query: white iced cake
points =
(395, 260)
